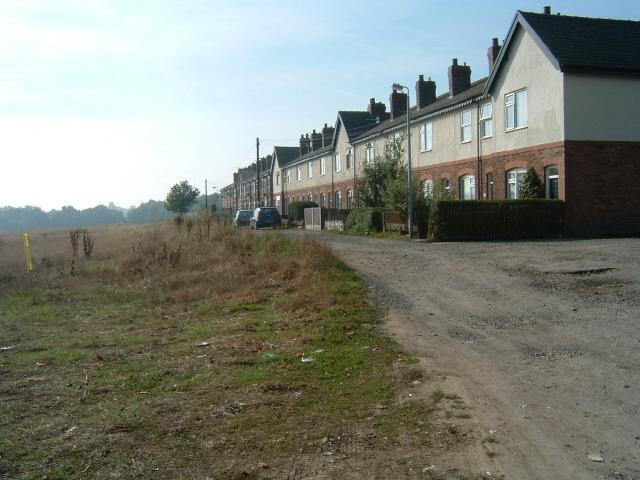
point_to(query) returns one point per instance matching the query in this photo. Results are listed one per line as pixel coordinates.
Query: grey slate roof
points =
(580, 43)
(356, 122)
(442, 103)
(286, 155)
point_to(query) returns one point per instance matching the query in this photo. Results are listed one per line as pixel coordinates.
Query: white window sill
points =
(466, 141)
(426, 150)
(487, 137)
(507, 130)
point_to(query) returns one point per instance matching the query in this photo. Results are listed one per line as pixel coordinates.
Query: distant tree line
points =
(29, 218)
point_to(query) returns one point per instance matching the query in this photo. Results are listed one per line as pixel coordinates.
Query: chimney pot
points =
(316, 141)
(376, 108)
(327, 135)
(459, 78)
(547, 10)
(398, 102)
(425, 92)
(492, 53)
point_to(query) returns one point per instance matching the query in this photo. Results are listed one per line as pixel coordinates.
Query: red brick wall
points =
(538, 157)
(602, 188)
(303, 193)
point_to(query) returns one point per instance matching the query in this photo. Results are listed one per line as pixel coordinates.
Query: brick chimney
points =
(327, 135)
(376, 109)
(459, 78)
(398, 102)
(492, 53)
(425, 92)
(316, 141)
(547, 10)
(305, 144)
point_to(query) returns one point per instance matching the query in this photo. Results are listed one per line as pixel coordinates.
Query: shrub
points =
(364, 220)
(295, 210)
(531, 186)
(497, 220)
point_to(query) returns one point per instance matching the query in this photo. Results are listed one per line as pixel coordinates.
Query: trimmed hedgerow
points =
(365, 220)
(295, 210)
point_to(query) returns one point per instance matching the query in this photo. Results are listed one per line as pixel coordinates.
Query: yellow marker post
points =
(27, 251)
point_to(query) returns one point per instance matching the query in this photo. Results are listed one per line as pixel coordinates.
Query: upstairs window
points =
(349, 158)
(426, 136)
(467, 187)
(394, 144)
(515, 105)
(277, 179)
(338, 162)
(486, 120)
(323, 166)
(288, 180)
(310, 170)
(465, 126)
(298, 173)
(369, 152)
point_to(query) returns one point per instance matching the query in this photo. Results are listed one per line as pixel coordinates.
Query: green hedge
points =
(496, 219)
(295, 210)
(365, 220)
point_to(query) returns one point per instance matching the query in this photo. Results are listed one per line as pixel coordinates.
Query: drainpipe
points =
(478, 153)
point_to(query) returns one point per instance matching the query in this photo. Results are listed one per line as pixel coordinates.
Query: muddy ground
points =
(540, 339)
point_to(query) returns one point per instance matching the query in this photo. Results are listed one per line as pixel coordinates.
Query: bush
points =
(497, 220)
(531, 185)
(364, 220)
(295, 210)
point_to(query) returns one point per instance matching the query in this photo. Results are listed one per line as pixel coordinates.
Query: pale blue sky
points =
(116, 100)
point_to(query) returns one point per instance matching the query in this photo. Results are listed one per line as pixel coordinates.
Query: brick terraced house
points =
(562, 97)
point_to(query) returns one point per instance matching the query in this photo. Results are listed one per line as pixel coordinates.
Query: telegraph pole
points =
(257, 172)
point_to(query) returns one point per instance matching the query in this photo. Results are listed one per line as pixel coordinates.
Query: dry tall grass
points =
(173, 264)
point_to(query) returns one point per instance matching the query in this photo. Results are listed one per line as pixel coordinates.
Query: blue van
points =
(266, 217)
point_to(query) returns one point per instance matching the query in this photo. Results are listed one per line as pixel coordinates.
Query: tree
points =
(531, 185)
(377, 177)
(181, 197)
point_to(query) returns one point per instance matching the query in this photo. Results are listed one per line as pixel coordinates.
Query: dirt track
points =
(541, 339)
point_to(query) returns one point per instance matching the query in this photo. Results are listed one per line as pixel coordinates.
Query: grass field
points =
(170, 354)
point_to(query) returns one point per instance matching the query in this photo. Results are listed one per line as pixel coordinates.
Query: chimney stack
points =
(492, 53)
(304, 144)
(547, 10)
(398, 102)
(376, 109)
(459, 78)
(327, 135)
(425, 92)
(316, 141)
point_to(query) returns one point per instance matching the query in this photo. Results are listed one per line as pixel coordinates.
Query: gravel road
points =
(541, 339)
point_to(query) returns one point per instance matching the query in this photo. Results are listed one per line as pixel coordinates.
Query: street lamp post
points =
(397, 86)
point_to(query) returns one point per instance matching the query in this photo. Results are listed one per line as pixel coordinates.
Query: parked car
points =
(266, 217)
(242, 218)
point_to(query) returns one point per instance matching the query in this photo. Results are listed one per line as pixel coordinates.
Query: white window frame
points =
(310, 170)
(427, 189)
(323, 166)
(337, 199)
(514, 177)
(288, 175)
(465, 127)
(426, 137)
(277, 179)
(467, 185)
(338, 162)
(548, 177)
(486, 120)
(349, 199)
(349, 164)
(369, 154)
(298, 173)
(516, 110)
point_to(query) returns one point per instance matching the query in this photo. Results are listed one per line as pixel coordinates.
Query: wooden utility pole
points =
(257, 172)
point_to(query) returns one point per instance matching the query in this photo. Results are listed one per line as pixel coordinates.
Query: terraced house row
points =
(562, 96)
